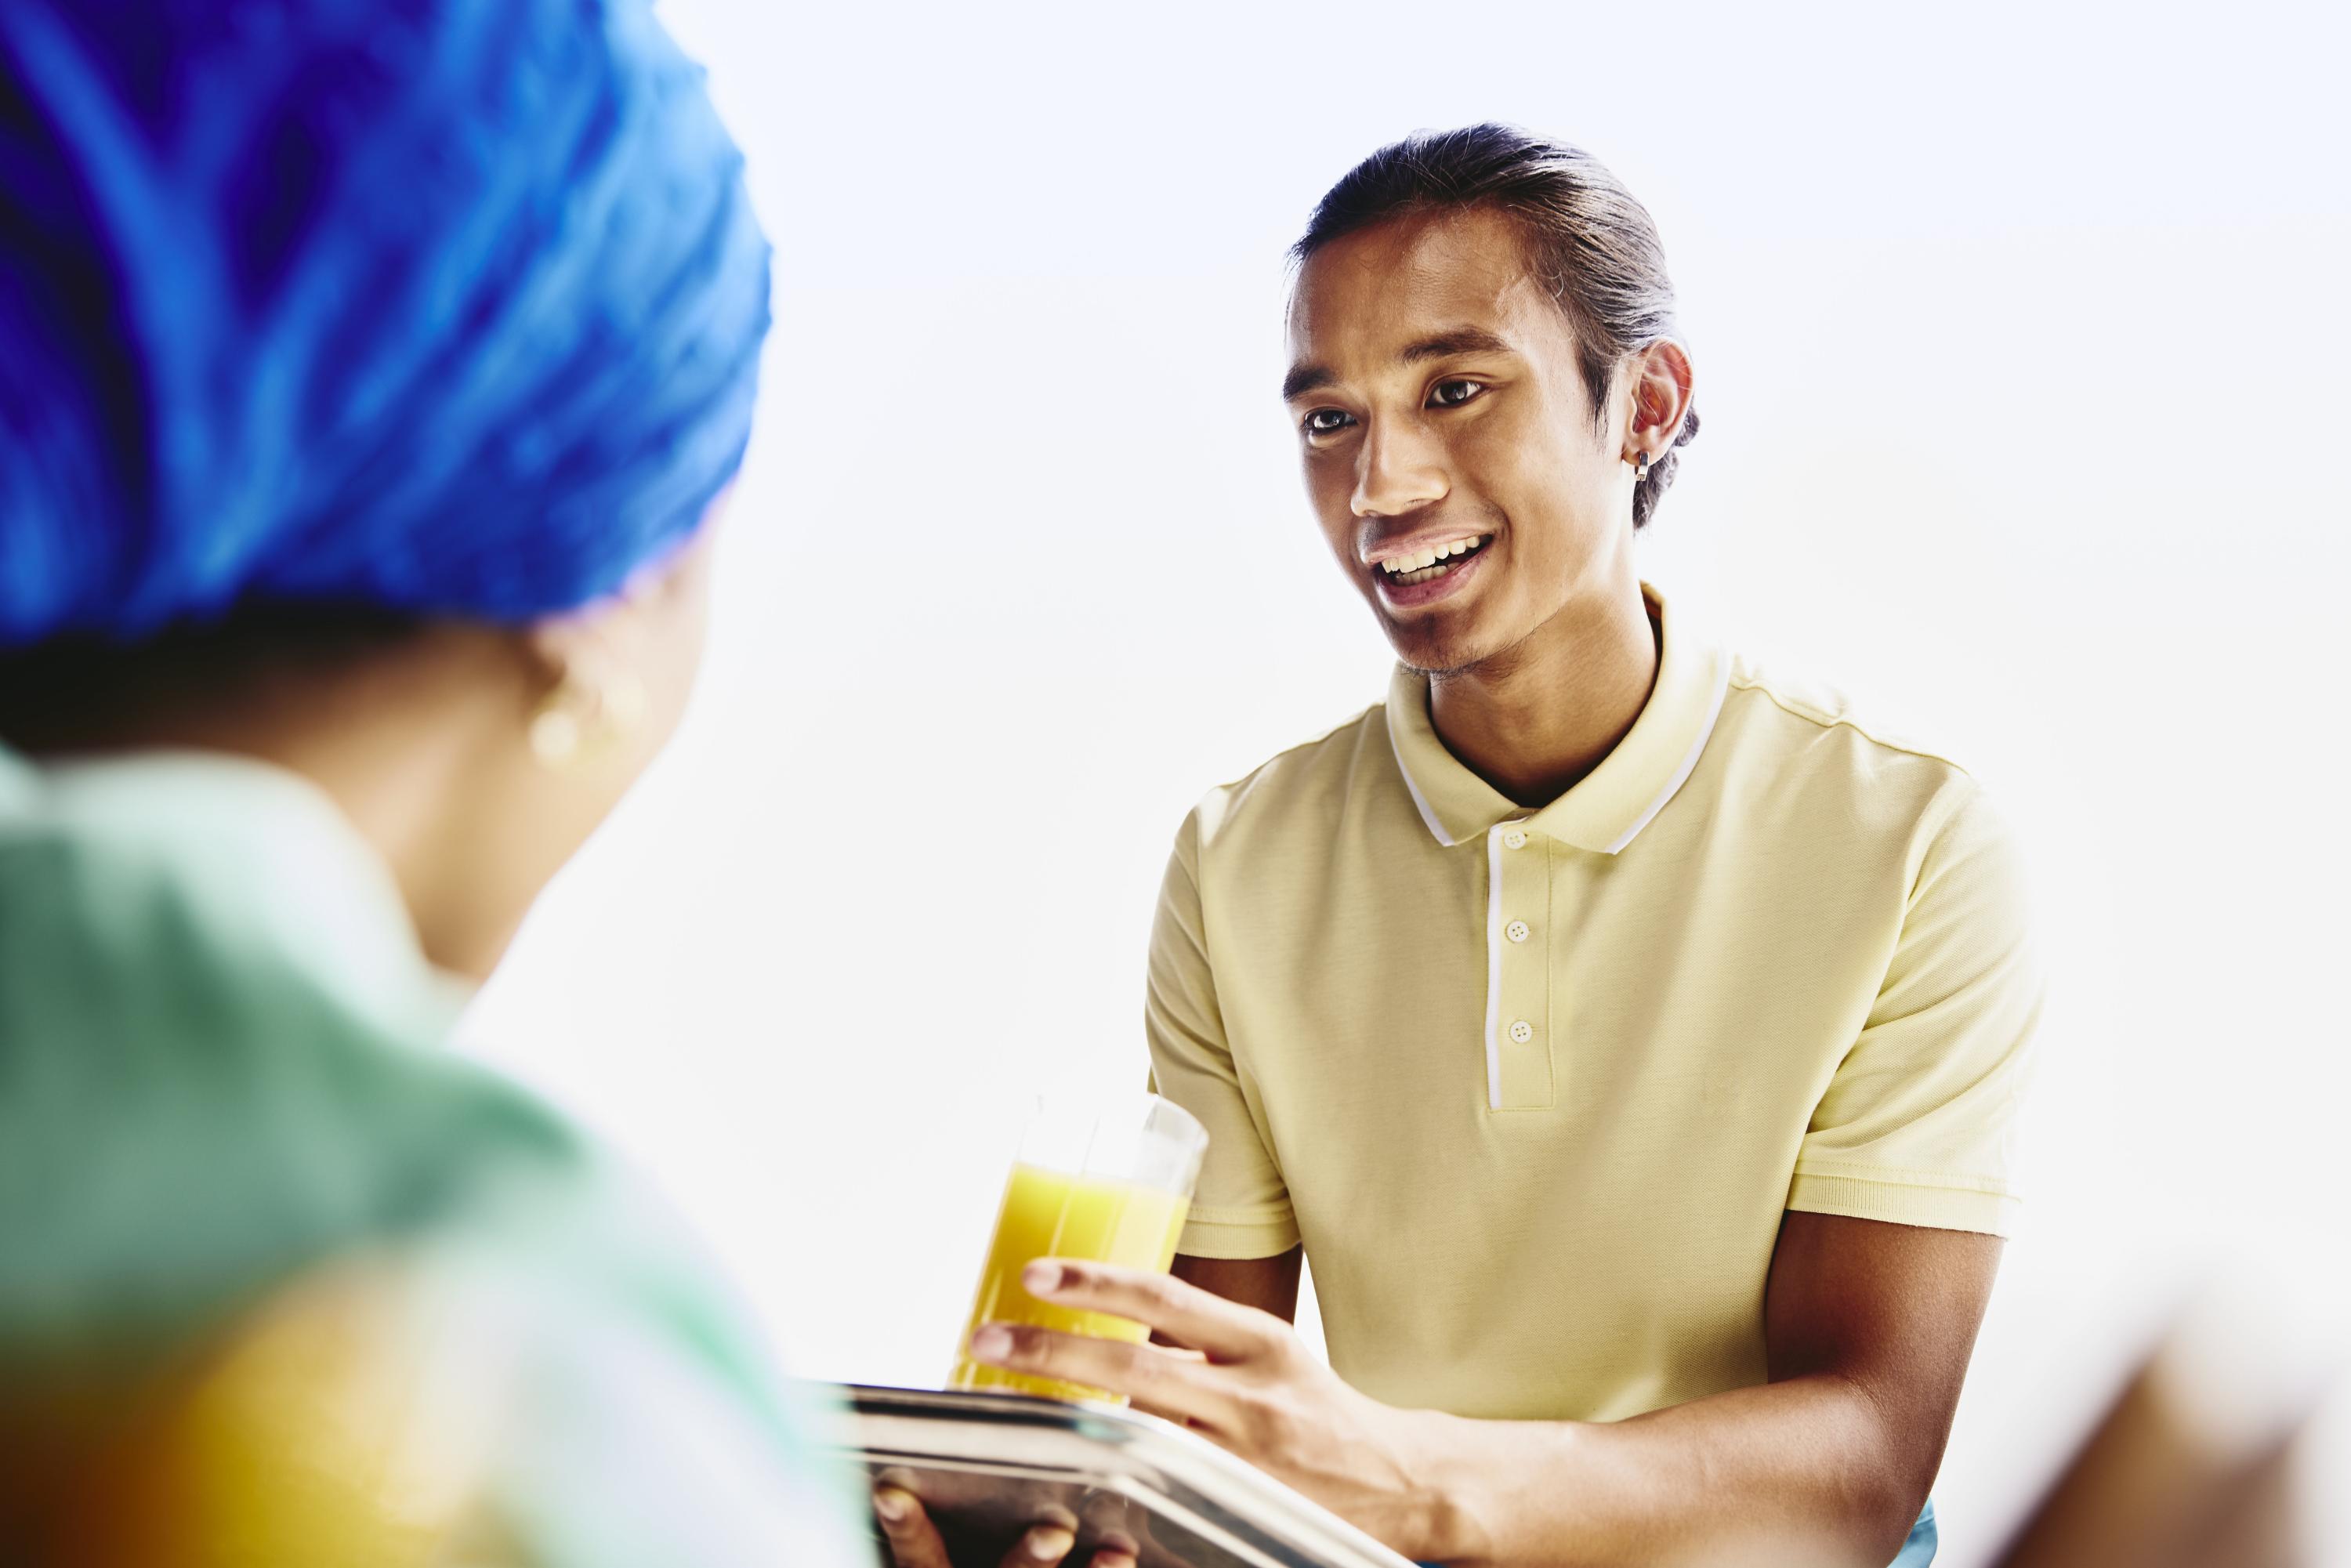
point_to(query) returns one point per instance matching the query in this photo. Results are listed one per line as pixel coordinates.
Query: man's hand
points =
(915, 1541)
(1867, 1327)
(1240, 1377)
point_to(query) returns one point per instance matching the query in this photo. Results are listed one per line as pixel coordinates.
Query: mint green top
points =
(220, 1068)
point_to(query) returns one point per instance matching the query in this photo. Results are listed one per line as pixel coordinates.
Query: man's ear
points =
(1658, 379)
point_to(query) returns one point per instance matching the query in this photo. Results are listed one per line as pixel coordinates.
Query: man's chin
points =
(1431, 650)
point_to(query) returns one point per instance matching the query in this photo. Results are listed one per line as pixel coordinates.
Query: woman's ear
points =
(614, 675)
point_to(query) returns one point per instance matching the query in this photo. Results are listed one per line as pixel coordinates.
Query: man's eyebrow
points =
(1304, 379)
(1459, 340)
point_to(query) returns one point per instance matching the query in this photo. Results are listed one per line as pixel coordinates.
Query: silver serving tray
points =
(989, 1465)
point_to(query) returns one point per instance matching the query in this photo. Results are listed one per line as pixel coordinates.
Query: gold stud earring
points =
(581, 718)
(561, 721)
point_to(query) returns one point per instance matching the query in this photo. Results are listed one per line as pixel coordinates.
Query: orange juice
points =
(1050, 1214)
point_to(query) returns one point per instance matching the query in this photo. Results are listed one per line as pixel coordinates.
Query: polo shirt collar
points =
(1608, 807)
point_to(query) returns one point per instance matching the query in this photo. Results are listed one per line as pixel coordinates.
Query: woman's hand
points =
(916, 1542)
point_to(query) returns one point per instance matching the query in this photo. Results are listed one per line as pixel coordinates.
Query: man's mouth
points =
(1428, 565)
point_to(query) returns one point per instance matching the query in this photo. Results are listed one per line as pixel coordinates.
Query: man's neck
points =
(1535, 720)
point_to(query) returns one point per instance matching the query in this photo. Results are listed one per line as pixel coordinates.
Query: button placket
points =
(1557, 857)
(1519, 1068)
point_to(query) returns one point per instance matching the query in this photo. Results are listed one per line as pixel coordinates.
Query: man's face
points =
(1440, 407)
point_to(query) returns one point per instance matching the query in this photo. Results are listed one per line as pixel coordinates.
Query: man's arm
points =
(1268, 1284)
(1869, 1327)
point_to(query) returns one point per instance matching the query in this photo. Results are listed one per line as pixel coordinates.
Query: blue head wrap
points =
(449, 306)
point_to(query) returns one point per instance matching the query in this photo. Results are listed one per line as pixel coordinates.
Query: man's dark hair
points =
(1593, 247)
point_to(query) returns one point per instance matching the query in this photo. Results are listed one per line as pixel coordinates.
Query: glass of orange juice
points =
(1109, 1181)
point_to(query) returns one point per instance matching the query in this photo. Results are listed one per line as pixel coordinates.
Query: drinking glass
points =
(1104, 1180)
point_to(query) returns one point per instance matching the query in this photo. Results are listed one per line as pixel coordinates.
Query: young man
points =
(1631, 1038)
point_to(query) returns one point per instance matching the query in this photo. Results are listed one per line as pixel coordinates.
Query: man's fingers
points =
(1172, 1383)
(1224, 1329)
(914, 1540)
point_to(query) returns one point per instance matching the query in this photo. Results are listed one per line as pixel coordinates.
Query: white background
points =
(2021, 342)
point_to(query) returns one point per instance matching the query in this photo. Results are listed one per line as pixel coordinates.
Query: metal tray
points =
(989, 1465)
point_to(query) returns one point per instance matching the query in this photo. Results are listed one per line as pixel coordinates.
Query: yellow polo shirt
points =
(1535, 1087)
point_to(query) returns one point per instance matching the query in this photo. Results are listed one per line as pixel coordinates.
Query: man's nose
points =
(1398, 470)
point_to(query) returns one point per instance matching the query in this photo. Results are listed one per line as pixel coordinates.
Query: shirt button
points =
(1516, 931)
(1514, 840)
(1522, 1031)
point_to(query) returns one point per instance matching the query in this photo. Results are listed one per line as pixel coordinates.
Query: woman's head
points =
(367, 370)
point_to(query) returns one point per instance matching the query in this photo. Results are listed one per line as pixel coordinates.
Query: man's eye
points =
(1453, 394)
(1326, 422)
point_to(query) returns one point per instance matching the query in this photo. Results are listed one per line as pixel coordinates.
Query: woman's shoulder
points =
(223, 1074)
(219, 1055)
(189, 871)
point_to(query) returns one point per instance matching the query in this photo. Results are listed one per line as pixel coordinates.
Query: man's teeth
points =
(1403, 565)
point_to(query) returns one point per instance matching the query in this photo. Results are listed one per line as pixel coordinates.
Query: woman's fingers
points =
(1044, 1546)
(914, 1540)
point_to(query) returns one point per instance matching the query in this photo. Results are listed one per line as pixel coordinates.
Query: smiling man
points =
(1630, 1037)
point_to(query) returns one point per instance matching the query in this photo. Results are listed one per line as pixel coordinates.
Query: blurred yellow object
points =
(338, 1425)
(1049, 1213)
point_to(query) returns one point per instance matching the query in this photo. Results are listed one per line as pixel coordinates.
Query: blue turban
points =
(447, 306)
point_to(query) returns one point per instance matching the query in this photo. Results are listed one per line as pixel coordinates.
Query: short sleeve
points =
(1917, 1125)
(1242, 1209)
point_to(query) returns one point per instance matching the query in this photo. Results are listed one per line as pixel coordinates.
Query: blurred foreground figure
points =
(2203, 1460)
(368, 376)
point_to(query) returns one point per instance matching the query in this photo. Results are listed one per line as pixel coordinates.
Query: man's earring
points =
(1640, 466)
